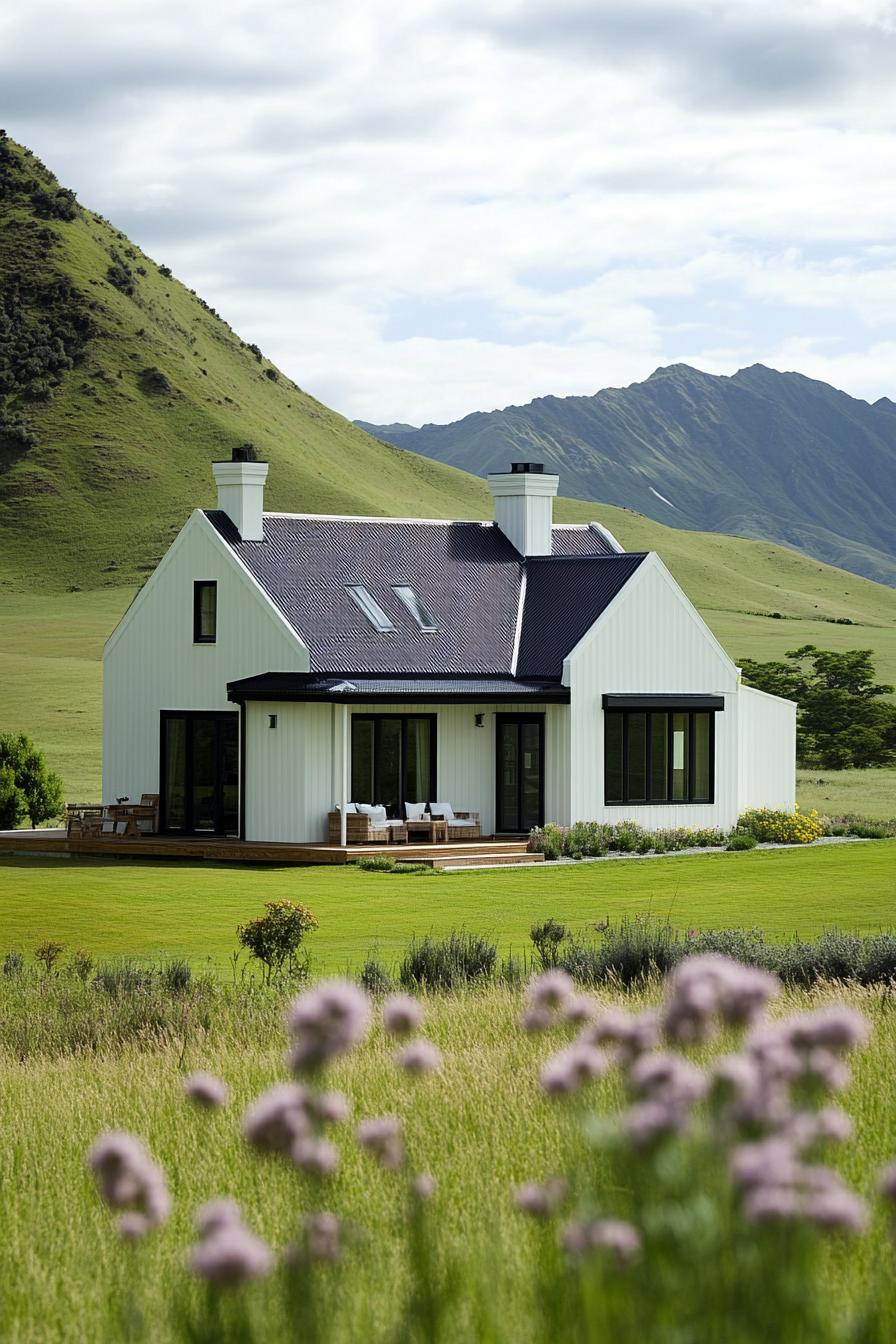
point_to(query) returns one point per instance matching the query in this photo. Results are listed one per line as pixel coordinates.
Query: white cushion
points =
(364, 807)
(394, 821)
(461, 821)
(349, 807)
(441, 810)
(377, 816)
(414, 811)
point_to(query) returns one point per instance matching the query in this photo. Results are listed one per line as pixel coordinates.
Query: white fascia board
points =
(517, 634)
(198, 519)
(651, 562)
(252, 583)
(137, 600)
(694, 614)
(767, 695)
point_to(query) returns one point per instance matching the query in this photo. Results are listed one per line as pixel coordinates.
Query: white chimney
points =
(524, 506)
(241, 495)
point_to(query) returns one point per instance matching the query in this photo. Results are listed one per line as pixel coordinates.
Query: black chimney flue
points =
(526, 467)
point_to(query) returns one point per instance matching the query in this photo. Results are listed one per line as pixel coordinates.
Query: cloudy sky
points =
(420, 208)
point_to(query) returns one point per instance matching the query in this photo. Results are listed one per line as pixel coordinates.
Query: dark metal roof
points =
(564, 597)
(354, 690)
(580, 540)
(468, 576)
(712, 702)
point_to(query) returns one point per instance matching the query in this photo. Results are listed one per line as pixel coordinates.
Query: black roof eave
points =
(240, 692)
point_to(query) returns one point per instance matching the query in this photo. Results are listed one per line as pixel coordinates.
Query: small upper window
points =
(205, 613)
(416, 608)
(371, 608)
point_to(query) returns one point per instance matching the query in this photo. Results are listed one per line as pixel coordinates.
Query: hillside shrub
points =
(460, 958)
(274, 939)
(783, 828)
(122, 277)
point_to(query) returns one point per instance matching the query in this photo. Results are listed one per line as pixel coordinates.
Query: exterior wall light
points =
(479, 720)
(272, 720)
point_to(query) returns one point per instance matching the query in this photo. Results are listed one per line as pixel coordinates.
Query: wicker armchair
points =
(358, 830)
(461, 825)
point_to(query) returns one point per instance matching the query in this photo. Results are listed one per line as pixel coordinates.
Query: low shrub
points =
(546, 938)
(377, 863)
(373, 975)
(783, 828)
(595, 839)
(275, 937)
(460, 958)
(741, 840)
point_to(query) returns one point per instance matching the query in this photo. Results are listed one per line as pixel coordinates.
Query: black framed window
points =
(205, 612)
(659, 755)
(393, 760)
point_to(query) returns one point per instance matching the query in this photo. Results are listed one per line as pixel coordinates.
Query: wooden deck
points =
(218, 849)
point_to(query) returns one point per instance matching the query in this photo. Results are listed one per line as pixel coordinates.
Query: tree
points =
(11, 809)
(842, 720)
(39, 788)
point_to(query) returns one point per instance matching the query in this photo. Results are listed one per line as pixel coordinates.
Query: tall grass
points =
(482, 1127)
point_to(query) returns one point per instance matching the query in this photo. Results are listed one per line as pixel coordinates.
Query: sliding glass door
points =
(393, 760)
(520, 782)
(200, 773)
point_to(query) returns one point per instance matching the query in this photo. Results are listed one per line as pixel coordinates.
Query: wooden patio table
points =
(434, 827)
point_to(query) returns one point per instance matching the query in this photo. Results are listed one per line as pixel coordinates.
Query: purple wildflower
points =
(668, 1078)
(402, 1014)
(631, 1034)
(230, 1255)
(540, 1198)
(215, 1214)
(128, 1179)
(770, 1161)
(566, 1071)
(830, 1124)
(620, 1239)
(330, 1108)
(835, 1027)
(647, 1121)
(886, 1182)
(826, 1068)
(550, 990)
(276, 1118)
(323, 1239)
(326, 1021)
(537, 1019)
(710, 985)
(206, 1090)
(419, 1056)
(382, 1137)
(579, 1008)
(771, 1204)
(838, 1209)
(318, 1157)
(424, 1186)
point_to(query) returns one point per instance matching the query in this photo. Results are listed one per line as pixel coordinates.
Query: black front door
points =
(520, 784)
(200, 773)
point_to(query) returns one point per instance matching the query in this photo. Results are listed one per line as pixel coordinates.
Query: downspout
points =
(343, 783)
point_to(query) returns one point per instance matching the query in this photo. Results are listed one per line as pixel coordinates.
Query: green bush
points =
(460, 958)
(12, 806)
(742, 840)
(274, 938)
(374, 977)
(547, 938)
(377, 863)
(39, 787)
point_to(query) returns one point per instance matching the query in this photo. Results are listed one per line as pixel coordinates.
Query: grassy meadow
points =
(154, 909)
(481, 1126)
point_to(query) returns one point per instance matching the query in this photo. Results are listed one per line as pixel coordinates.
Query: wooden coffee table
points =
(433, 828)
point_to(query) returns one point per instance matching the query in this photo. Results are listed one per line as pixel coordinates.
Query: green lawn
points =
(191, 910)
(839, 792)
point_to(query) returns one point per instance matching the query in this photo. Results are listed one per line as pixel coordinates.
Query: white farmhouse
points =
(279, 667)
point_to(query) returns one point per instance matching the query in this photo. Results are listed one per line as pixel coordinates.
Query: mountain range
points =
(758, 454)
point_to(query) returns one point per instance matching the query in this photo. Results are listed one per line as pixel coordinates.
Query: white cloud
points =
(421, 208)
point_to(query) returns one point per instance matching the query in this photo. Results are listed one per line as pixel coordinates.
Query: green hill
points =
(118, 386)
(759, 454)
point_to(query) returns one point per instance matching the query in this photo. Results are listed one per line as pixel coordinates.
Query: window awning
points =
(682, 702)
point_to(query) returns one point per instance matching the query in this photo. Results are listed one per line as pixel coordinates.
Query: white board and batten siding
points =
(649, 641)
(293, 771)
(151, 663)
(766, 750)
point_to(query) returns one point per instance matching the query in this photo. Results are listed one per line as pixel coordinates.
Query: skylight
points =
(416, 608)
(370, 607)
